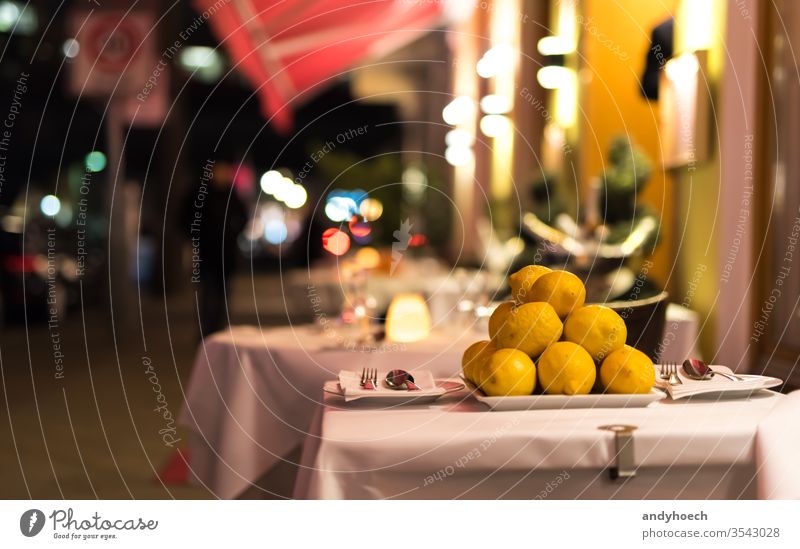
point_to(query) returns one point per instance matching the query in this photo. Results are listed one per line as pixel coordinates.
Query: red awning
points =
(288, 49)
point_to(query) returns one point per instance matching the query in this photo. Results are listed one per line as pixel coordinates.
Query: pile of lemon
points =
(547, 336)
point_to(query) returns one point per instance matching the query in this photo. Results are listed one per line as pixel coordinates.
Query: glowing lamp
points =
(459, 138)
(555, 45)
(459, 110)
(682, 68)
(458, 155)
(408, 319)
(496, 104)
(495, 125)
(553, 77)
(500, 59)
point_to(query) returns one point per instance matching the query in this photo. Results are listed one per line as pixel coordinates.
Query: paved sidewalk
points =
(86, 416)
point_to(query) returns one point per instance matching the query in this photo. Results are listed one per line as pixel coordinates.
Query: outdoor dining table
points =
(253, 392)
(457, 448)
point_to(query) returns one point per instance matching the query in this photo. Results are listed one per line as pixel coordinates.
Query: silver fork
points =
(673, 374)
(369, 377)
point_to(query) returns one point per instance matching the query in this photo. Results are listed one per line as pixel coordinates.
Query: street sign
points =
(116, 52)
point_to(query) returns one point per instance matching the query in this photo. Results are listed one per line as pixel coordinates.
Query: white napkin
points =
(717, 384)
(350, 383)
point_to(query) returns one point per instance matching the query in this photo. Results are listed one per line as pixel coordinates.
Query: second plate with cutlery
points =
(724, 384)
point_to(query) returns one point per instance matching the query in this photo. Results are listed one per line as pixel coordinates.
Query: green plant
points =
(628, 172)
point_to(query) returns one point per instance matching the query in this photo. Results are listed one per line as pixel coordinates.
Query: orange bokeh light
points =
(335, 241)
(360, 229)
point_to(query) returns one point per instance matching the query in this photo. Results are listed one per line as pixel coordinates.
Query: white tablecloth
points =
(778, 451)
(457, 449)
(252, 394)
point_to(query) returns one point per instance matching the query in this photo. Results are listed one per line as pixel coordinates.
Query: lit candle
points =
(408, 319)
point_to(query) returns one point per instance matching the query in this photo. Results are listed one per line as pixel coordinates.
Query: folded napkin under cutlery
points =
(350, 384)
(716, 384)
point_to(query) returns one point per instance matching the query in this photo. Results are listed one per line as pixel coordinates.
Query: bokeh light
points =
(284, 189)
(359, 229)
(202, 62)
(417, 240)
(335, 241)
(368, 258)
(496, 104)
(275, 231)
(340, 208)
(494, 125)
(553, 77)
(498, 60)
(18, 17)
(70, 48)
(459, 110)
(459, 156)
(459, 138)
(295, 197)
(95, 162)
(371, 209)
(50, 205)
(271, 181)
(9, 13)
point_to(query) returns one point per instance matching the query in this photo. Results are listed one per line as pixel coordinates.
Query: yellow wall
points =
(698, 190)
(615, 36)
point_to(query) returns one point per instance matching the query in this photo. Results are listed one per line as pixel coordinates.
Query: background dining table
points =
(456, 448)
(253, 392)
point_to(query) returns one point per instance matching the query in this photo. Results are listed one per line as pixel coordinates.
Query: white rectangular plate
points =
(557, 402)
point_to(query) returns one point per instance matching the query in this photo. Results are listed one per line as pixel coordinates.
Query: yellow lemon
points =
(565, 368)
(522, 280)
(474, 357)
(561, 289)
(627, 371)
(530, 327)
(598, 329)
(499, 317)
(508, 372)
